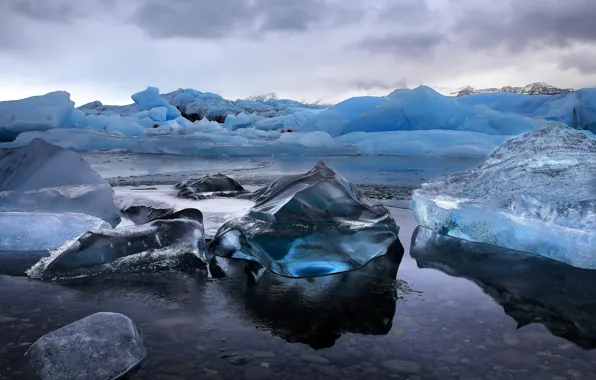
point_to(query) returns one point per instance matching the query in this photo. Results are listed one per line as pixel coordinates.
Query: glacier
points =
(536, 193)
(101, 346)
(308, 225)
(43, 177)
(415, 121)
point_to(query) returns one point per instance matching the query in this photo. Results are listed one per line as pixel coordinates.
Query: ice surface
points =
(44, 177)
(418, 109)
(175, 240)
(101, 346)
(37, 113)
(536, 193)
(309, 225)
(209, 185)
(141, 210)
(530, 288)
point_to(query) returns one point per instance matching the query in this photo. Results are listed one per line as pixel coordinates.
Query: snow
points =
(536, 193)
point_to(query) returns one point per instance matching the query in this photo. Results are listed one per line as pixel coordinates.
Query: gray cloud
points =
(584, 63)
(518, 25)
(373, 84)
(408, 44)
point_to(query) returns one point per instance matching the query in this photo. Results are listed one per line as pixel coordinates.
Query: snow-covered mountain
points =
(539, 88)
(264, 97)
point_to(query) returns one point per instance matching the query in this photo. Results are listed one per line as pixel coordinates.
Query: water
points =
(445, 311)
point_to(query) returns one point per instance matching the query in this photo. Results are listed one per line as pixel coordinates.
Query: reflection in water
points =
(530, 289)
(317, 311)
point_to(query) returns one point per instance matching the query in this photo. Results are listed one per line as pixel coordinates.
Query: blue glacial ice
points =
(37, 113)
(43, 177)
(309, 225)
(171, 241)
(536, 193)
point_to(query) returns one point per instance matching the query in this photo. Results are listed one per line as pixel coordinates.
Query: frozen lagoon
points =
(476, 317)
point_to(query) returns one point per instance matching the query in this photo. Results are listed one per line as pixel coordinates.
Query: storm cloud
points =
(308, 49)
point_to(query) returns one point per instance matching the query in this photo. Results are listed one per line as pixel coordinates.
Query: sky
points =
(306, 50)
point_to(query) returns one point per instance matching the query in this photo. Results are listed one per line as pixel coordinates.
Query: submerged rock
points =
(102, 346)
(308, 225)
(219, 185)
(537, 193)
(173, 241)
(26, 237)
(44, 177)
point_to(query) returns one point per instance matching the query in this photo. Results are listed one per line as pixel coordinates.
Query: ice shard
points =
(102, 346)
(43, 177)
(209, 185)
(173, 241)
(309, 225)
(536, 193)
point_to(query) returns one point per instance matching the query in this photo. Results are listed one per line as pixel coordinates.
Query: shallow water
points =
(473, 314)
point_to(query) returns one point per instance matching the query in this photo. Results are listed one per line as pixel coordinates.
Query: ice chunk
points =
(149, 98)
(26, 237)
(310, 139)
(536, 193)
(44, 177)
(141, 210)
(209, 185)
(123, 127)
(101, 346)
(37, 113)
(175, 240)
(308, 225)
(531, 289)
(357, 302)
(158, 113)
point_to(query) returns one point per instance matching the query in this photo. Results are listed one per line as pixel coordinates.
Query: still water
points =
(443, 310)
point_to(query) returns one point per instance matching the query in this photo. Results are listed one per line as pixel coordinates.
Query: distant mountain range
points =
(264, 97)
(539, 88)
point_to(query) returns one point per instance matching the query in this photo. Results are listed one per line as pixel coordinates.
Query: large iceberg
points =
(531, 289)
(172, 241)
(104, 346)
(536, 193)
(26, 237)
(309, 225)
(37, 113)
(44, 177)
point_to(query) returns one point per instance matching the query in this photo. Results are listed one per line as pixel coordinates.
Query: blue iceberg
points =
(536, 193)
(309, 225)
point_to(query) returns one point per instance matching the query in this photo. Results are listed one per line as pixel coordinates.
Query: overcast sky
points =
(300, 49)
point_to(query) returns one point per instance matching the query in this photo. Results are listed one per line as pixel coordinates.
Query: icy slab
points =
(173, 241)
(44, 177)
(37, 113)
(530, 288)
(149, 99)
(141, 210)
(219, 185)
(537, 193)
(26, 237)
(102, 346)
(309, 225)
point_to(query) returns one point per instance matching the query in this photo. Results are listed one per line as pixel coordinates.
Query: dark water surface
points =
(478, 314)
(445, 310)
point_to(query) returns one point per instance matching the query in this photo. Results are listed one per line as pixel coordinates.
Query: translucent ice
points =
(103, 346)
(218, 184)
(536, 193)
(141, 210)
(26, 237)
(37, 113)
(309, 225)
(175, 240)
(44, 177)
(149, 99)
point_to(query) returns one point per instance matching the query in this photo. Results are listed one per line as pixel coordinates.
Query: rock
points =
(209, 186)
(101, 346)
(401, 366)
(257, 373)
